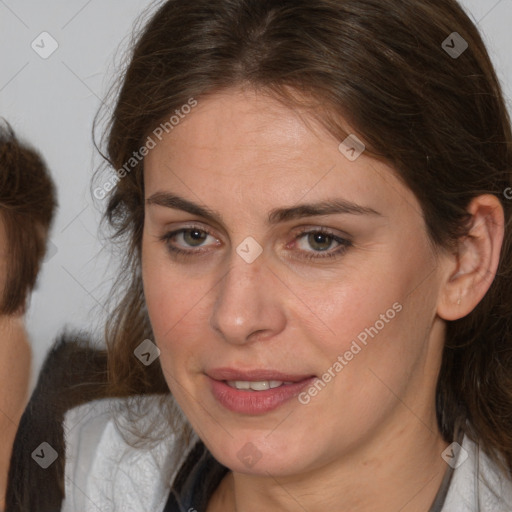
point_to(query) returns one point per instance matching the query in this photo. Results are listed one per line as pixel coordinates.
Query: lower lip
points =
(255, 402)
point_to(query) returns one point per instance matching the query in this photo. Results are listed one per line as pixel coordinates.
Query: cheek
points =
(167, 299)
(378, 321)
(174, 301)
(381, 300)
(160, 289)
(354, 305)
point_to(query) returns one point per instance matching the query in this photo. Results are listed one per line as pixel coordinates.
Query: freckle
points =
(375, 462)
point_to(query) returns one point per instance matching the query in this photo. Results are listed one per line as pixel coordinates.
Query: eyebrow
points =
(276, 216)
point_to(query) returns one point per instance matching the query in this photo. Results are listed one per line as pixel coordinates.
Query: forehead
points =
(241, 123)
(250, 149)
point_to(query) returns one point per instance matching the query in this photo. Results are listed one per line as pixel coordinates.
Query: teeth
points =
(255, 386)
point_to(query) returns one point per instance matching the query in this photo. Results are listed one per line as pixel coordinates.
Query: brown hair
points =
(27, 207)
(440, 121)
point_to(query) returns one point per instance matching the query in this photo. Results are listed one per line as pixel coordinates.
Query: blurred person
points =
(27, 207)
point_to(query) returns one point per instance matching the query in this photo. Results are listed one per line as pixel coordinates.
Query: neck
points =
(399, 469)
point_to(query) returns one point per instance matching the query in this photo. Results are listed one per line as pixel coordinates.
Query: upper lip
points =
(256, 375)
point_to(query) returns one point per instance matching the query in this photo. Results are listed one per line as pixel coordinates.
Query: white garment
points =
(477, 484)
(104, 473)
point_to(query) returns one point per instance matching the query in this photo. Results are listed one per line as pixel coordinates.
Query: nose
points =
(248, 305)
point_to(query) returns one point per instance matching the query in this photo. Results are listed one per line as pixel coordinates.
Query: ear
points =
(471, 268)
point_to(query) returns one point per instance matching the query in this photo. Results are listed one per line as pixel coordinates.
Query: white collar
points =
(477, 483)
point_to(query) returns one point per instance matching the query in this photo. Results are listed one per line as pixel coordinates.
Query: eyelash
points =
(344, 243)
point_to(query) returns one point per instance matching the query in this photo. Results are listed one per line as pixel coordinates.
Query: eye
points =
(190, 241)
(191, 237)
(321, 240)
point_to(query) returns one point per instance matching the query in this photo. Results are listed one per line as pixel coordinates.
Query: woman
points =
(27, 206)
(317, 301)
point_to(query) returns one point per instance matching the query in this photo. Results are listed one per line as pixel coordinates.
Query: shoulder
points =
(477, 483)
(108, 465)
(74, 372)
(74, 443)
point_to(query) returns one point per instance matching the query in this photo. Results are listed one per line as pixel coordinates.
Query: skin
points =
(369, 440)
(15, 364)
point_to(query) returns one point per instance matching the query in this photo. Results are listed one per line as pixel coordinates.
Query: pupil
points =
(320, 240)
(194, 236)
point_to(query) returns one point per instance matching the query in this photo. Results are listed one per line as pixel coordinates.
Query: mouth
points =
(255, 391)
(262, 385)
(257, 379)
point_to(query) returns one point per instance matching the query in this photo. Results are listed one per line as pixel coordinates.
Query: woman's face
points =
(297, 264)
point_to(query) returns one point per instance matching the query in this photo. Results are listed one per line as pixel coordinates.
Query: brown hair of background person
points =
(441, 122)
(27, 207)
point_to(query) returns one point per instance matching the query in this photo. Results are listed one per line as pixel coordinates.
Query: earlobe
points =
(473, 265)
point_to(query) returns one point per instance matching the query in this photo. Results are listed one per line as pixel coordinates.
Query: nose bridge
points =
(244, 302)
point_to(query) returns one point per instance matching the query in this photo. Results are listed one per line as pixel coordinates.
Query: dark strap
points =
(196, 481)
(437, 505)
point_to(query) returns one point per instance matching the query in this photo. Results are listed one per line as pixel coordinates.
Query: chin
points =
(255, 455)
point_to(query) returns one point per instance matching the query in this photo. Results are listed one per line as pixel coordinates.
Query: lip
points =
(254, 375)
(255, 402)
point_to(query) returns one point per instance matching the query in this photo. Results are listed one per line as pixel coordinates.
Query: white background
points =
(52, 102)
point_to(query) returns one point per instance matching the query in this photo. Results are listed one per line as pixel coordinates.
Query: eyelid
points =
(323, 229)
